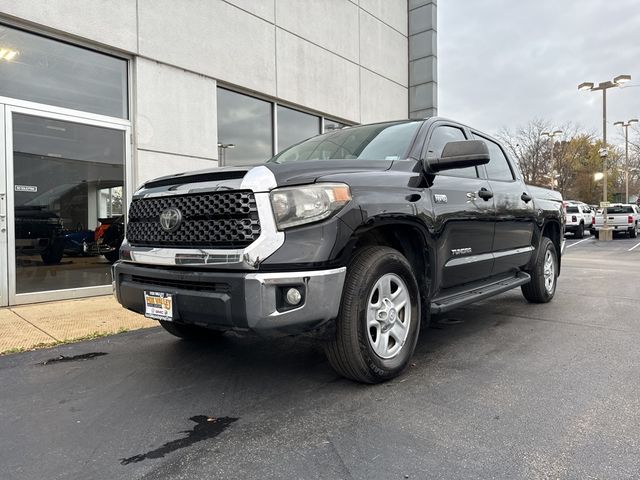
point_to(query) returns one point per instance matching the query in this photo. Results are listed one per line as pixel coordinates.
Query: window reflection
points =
(295, 126)
(330, 125)
(56, 73)
(244, 127)
(68, 197)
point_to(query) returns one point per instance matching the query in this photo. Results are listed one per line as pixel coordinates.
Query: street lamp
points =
(625, 125)
(222, 152)
(551, 135)
(604, 86)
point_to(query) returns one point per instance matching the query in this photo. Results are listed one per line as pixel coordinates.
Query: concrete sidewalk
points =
(45, 324)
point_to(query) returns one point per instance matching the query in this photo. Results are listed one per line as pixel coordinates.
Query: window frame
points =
(481, 136)
(466, 132)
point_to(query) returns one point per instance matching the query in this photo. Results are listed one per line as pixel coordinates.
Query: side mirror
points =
(461, 154)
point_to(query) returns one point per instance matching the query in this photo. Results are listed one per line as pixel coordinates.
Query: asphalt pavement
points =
(499, 389)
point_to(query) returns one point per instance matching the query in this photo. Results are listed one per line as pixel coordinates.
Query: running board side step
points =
(449, 301)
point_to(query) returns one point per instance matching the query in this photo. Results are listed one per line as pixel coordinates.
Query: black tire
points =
(536, 290)
(190, 332)
(112, 257)
(350, 352)
(596, 234)
(53, 254)
(580, 231)
(634, 232)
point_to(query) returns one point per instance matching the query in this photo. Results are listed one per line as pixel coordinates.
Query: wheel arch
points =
(553, 231)
(412, 239)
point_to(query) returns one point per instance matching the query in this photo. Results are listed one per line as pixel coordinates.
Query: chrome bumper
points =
(323, 291)
(226, 300)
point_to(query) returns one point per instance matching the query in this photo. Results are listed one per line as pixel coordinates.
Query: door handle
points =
(526, 198)
(485, 194)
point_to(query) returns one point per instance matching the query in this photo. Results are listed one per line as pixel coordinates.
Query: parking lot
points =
(499, 389)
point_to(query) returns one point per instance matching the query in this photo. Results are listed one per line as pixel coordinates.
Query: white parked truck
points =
(578, 218)
(623, 218)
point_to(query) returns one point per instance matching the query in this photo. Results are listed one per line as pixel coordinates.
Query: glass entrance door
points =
(4, 283)
(66, 198)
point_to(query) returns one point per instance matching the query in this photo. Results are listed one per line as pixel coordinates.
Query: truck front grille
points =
(214, 220)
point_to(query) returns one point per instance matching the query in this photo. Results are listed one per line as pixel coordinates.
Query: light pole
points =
(551, 136)
(604, 86)
(625, 125)
(222, 153)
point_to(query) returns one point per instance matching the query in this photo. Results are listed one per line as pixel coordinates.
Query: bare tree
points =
(530, 150)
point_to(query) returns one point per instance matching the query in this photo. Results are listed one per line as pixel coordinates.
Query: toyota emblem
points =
(170, 219)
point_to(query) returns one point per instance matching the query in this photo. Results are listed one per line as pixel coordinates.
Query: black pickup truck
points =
(356, 236)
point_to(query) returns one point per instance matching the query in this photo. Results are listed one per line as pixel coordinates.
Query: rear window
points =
(619, 209)
(572, 210)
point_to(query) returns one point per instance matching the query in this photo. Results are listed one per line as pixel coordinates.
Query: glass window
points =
(245, 135)
(42, 70)
(498, 167)
(68, 195)
(572, 210)
(619, 209)
(382, 141)
(295, 126)
(441, 136)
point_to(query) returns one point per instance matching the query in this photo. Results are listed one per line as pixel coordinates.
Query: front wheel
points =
(544, 274)
(379, 320)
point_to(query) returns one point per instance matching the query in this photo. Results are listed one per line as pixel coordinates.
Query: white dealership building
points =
(98, 96)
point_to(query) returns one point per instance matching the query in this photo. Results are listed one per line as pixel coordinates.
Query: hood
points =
(237, 178)
(298, 173)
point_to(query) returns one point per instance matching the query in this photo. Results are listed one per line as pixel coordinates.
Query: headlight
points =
(310, 203)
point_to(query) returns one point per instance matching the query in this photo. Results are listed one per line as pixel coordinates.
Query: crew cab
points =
(622, 218)
(579, 218)
(356, 237)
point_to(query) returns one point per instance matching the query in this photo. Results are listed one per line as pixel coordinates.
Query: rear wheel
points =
(190, 332)
(544, 274)
(379, 320)
(580, 231)
(633, 233)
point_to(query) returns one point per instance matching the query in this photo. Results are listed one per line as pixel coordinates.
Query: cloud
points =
(504, 62)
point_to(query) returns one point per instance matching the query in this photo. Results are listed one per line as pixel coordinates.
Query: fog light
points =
(293, 296)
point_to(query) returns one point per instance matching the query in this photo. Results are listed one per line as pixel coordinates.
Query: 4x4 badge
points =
(170, 219)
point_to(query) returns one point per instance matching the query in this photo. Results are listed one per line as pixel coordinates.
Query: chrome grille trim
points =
(259, 180)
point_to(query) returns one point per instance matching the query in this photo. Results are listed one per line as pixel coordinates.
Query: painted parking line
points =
(634, 247)
(579, 241)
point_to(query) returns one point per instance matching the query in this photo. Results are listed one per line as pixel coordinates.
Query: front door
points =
(464, 219)
(65, 177)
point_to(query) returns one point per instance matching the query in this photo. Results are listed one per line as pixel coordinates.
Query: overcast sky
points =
(504, 62)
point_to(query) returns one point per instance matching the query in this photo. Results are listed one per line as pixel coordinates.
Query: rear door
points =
(464, 220)
(514, 211)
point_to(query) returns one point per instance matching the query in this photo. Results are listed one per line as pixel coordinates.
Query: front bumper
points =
(226, 300)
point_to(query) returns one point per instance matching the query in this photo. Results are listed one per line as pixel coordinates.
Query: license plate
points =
(158, 305)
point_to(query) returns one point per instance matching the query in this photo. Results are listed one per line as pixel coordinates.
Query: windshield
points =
(382, 141)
